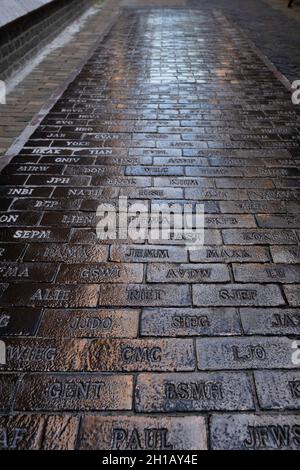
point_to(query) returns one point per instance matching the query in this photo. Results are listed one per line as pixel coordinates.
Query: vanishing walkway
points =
(128, 346)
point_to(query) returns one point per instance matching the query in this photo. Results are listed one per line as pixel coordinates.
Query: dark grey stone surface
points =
(174, 106)
(274, 321)
(253, 432)
(193, 392)
(187, 273)
(251, 352)
(278, 390)
(189, 322)
(272, 31)
(237, 295)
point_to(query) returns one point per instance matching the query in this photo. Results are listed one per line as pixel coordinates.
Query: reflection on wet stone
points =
(189, 322)
(92, 323)
(123, 327)
(193, 392)
(143, 433)
(252, 432)
(142, 354)
(35, 354)
(74, 392)
(38, 432)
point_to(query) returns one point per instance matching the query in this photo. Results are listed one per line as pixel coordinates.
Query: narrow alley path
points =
(123, 345)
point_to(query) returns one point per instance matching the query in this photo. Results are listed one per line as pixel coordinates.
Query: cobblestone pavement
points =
(121, 345)
(274, 28)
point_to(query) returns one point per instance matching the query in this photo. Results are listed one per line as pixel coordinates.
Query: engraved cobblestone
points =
(143, 433)
(245, 353)
(141, 355)
(272, 321)
(189, 322)
(237, 295)
(278, 390)
(89, 323)
(74, 392)
(193, 392)
(38, 432)
(174, 106)
(253, 432)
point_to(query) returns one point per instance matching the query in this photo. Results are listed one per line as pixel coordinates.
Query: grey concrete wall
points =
(10, 10)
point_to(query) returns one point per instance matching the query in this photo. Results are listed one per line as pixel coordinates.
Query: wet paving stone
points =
(245, 353)
(100, 273)
(13, 180)
(142, 254)
(244, 183)
(74, 392)
(69, 219)
(152, 193)
(278, 390)
(258, 207)
(84, 192)
(285, 254)
(11, 252)
(144, 295)
(22, 191)
(50, 295)
(85, 235)
(254, 432)
(278, 221)
(141, 355)
(8, 384)
(270, 321)
(45, 205)
(36, 354)
(154, 171)
(184, 161)
(5, 204)
(237, 295)
(259, 236)
(3, 288)
(33, 169)
(19, 321)
(32, 272)
(119, 327)
(70, 160)
(193, 392)
(112, 205)
(274, 195)
(38, 432)
(213, 172)
(189, 322)
(189, 273)
(229, 254)
(19, 218)
(216, 194)
(211, 237)
(38, 234)
(92, 323)
(228, 221)
(266, 273)
(66, 253)
(292, 293)
(95, 170)
(121, 181)
(143, 433)
(210, 207)
(183, 182)
(40, 180)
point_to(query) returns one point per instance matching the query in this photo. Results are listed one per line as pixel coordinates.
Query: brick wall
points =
(23, 38)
